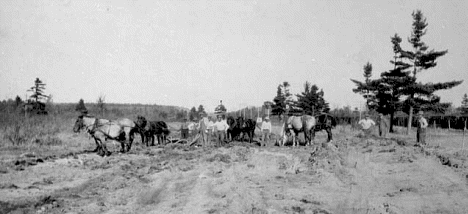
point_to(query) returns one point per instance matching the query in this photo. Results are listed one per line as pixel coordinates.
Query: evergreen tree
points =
(38, 91)
(311, 101)
(279, 106)
(19, 101)
(81, 106)
(421, 96)
(283, 100)
(464, 106)
(392, 84)
(193, 114)
(368, 88)
(201, 110)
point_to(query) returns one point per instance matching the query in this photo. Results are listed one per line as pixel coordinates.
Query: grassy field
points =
(52, 134)
(44, 169)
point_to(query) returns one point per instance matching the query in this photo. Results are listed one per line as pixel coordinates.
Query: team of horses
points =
(123, 130)
(239, 128)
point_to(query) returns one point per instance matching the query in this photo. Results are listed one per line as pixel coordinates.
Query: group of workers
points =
(207, 128)
(384, 125)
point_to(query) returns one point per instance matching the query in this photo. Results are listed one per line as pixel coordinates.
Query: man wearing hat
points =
(202, 125)
(220, 128)
(366, 125)
(384, 124)
(421, 131)
(266, 130)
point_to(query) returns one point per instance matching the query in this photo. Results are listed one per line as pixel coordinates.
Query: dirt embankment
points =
(356, 176)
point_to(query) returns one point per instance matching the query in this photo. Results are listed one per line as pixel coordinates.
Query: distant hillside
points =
(115, 110)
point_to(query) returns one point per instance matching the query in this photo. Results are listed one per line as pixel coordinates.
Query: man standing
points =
(366, 125)
(209, 130)
(421, 131)
(202, 125)
(220, 128)
(383, 125)
(184, 130)
(266, 130)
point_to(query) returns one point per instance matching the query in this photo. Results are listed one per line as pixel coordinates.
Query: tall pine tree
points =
(464, 106)
(283, 100)
(392, 84)
(81, 106)
(193, 114)
(311, 100)
(38, 91)
(201, 110)
(421, 95)
(368, 88)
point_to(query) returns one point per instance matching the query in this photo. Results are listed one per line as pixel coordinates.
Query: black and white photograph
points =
(233, 106)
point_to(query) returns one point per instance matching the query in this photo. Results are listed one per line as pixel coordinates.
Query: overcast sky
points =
(188, 53)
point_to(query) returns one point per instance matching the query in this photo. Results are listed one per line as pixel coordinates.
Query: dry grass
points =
(52, 134)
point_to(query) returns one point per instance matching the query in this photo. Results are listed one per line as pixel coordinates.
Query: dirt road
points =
(356, 176)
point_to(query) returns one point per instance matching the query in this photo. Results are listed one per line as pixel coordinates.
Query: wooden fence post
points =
(463, 140)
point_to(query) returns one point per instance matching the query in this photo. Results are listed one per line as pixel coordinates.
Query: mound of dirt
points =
(351, 175)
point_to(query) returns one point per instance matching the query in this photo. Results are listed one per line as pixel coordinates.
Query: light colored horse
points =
(309, 125)
(296, 124)
(120, 130)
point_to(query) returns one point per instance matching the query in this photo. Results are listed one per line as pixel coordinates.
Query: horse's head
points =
(79, 124)
(230, 121)
(241, 122)
(141, 122)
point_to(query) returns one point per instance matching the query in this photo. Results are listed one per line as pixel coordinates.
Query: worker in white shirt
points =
(209, 130)
(366, 125)
(220, 128)
(266, 131)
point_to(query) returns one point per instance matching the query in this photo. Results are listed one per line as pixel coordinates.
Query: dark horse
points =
(234, 129)
(324, 122)
(309, 125)
(247, 127)
(151, 128)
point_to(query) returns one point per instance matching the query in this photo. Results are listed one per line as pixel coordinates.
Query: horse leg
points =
(104, 150)
(122, 146)
(142, 136)
(294, 140)
(307, 137)
(98, 147)
(130, 138)
(312, 136)
(330, 135)
(129, 143)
